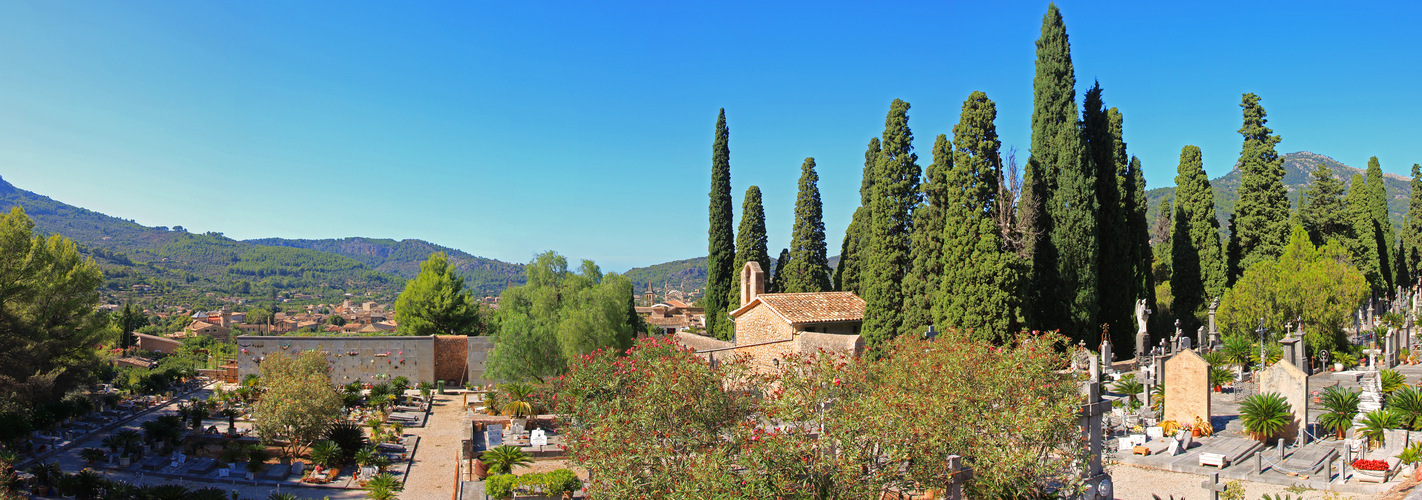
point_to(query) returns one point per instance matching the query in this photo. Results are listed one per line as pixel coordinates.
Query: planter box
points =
(1371, 476)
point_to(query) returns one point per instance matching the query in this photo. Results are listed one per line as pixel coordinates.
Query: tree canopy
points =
(436, 303)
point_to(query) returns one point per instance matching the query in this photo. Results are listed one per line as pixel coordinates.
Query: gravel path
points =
(1137, 483)
(432, 474)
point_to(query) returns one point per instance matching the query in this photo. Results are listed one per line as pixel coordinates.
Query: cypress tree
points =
(1233, 251)
(777, 278)
(925, 277)
(1322, 212)
(722, 248)
(1116, 279)
(750, 246)
(1377, 200)
(1263, 206)
(808, 270)
(1364, 244)
(894, 194)
(1138, 231)
(1411, 244)
(1197, 261)
(980, 280)
(849, 272)
(1060, 182)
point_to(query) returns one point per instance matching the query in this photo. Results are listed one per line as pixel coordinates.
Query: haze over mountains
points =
(132, 252)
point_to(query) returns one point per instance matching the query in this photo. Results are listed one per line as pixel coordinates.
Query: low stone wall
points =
(700, 342)
(810, 342)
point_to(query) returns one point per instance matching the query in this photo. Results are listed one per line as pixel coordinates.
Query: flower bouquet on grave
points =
(1364, 464)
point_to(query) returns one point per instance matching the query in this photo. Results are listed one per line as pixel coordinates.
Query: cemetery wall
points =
(454, 359)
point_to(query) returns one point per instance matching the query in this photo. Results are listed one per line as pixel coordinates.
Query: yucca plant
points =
(1342, 407)
(1406, 402)
(1264, 415)
(502, 459)
(1391, 380)
(1375, 426)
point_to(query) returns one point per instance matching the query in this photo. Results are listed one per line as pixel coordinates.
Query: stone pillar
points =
(1201, 341)
(1294, 352)
(1107, 355)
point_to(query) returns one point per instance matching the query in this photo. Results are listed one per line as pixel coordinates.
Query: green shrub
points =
(1264, 415)
(500, 486)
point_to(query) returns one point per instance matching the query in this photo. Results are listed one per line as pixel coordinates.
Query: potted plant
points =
(257, 456)
(1264, 415)
(93, 455)
(1376, 423)
(67, 485)
(1410, 456)
(520, 405)
(1341, 407)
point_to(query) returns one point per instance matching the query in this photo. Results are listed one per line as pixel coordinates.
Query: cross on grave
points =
(1214, 486)
(1091, 414)
(1372, 357)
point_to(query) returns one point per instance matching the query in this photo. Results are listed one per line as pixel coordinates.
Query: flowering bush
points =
(661, 422)
(1373, 465)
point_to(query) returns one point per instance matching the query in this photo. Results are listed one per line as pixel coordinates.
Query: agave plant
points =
(1375, 426)
(1264, 415)
(1342, 408)
(502, 459)
(1406, 402)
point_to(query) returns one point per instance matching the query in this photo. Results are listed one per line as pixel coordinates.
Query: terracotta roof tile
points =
(818, 307)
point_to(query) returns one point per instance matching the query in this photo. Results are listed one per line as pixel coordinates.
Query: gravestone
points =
(1187, 387)
(1291, 383)
(1201, 340)
(1214, 331)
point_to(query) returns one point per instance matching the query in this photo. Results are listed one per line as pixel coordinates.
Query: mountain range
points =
(131, 253)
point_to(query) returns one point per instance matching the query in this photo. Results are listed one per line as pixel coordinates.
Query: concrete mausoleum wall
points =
(477, 351)
(365, 359)
(1291, 383)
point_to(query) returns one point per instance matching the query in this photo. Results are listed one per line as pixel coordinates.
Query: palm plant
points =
(257, 456)
(325, 453)
(1375, 426)
(1406, 402)
(1237, 349)
(1273, 352)
(348, 437)
(1342, 408)
(1131, 387)
(1264, 415)
(1220, 376)
(282, 496)
(231, 415)
(1391, 380)
(92, 454)
(365, 456)
(502, 459)
(169, 491)
(233, 454)
(1411, 454)
(382, 487)
(520, 403)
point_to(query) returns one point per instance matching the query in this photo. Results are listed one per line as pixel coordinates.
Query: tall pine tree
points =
(1059, 196)
(980, 280)
(1263, 207)
(1197, 260)
(925, 275)
(1322, 211)
(722, 247)
(1410, 255)
(894, 195)
(777, 278)
(850, 270)
(750, 246)
(808, 270)
(1377, 201)
(1142, 259)
(1364, 244)
(1116, 277)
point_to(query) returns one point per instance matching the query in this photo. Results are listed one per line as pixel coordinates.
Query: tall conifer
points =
(1364, 244)
(777, 278)
(722, 247)
(1263, 206)
(925, 276)
(1411, 254)
(1138, 231)
(1106, 149)
(1059, 195)
(849, 272)
(894, 194)
(1197, 261)
(980, 280)
(1322, 211)
(1377, 201)
(750, 246)
(808, 270)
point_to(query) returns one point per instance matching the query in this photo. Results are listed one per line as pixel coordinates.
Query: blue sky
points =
(508, 128)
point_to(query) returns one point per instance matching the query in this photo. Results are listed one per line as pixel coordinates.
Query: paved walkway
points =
(433, 472)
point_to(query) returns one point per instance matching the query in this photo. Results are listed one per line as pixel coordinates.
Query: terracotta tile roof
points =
(677, 304)
(818, 307)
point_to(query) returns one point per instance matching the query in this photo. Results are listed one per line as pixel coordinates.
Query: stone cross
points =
(961, 475)
(1177, 330)
(1214, 486)
(1091, 414)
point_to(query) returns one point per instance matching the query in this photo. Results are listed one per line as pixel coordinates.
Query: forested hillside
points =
(1297, 169)
(403, 258)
